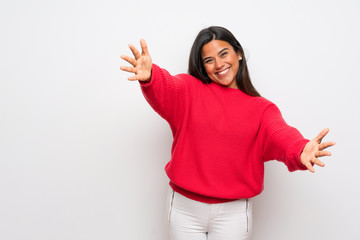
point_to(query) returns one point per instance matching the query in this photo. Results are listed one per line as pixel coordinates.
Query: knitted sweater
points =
(222, 137)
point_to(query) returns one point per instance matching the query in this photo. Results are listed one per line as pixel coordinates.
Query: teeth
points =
(223, 72)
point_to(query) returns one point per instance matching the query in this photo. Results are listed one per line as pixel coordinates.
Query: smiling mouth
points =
(222, 73)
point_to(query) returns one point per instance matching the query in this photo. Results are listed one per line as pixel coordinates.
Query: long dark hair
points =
(196, 66)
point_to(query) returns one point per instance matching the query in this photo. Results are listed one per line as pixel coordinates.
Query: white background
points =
(82, 154)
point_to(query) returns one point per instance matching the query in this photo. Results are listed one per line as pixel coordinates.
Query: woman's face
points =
(221, 62)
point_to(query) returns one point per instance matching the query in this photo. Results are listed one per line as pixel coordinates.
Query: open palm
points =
(141, 63)
(314, 149)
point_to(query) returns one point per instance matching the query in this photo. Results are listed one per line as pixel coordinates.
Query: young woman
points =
(223, 133)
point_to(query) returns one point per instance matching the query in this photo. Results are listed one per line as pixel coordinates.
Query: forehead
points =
(214, 47)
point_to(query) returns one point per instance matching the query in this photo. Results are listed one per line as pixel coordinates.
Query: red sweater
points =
(222, 137)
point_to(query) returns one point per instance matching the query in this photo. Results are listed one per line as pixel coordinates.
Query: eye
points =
(208, 61)
(224, 54)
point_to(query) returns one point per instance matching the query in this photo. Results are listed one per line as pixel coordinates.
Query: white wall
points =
(82, 154)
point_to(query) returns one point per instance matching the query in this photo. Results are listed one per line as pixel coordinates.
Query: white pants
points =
(193, 220)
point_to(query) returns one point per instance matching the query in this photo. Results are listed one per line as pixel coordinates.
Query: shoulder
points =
(261, 102)
(270, 110)
(193, 84)
(265, 108)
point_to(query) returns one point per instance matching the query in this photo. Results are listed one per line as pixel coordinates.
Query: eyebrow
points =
(218, 54)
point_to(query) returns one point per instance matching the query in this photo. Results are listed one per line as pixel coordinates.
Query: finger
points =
(321, 135)
(325, 145)
(129, 60)
(318, 162)
(322, 154)
(144, 47)
(133, 78)
(128, 69)
(134, 51)
(310, 167)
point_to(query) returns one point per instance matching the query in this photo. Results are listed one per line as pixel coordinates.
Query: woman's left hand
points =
(314, 149)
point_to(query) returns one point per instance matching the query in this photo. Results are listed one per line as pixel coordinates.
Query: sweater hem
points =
(198, 197)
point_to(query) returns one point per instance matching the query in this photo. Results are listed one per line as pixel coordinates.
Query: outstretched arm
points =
(164, 92)
(314, 149)
(141, 63)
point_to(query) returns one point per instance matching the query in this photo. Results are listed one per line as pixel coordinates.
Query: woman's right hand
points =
(141, 63)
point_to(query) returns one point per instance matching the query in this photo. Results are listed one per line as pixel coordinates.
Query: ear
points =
(239, 56)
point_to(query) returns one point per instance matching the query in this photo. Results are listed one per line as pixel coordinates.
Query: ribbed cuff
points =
(295, 155)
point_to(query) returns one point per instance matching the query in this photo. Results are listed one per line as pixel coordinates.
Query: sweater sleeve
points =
(280, 141)
(166, 95)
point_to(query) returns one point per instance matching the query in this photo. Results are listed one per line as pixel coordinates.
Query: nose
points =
(219, 63)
